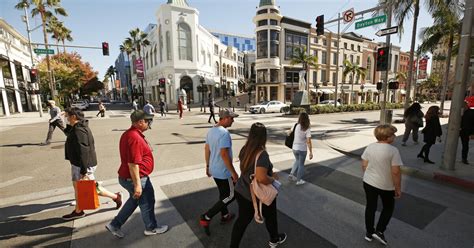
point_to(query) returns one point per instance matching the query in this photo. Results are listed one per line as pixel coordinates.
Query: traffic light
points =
(382, 59)
(320, 25)
(34, 75)
(162, 82)
(379, 86)
(393, 85)
(105, 48)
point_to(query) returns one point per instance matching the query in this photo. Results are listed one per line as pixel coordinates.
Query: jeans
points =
(226, 196)
(388, 201)
(298, 165)
(211, 115)
(146, 202)
(246, 214)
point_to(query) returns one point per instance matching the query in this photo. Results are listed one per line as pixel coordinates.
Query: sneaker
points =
(157, 230)
(118, 201)
(368, 236)
(204, 222)
(380, 237)
(292, 178)
(227, 218)
(281, 240)
(74, 215)
(300, 182)
(73, 203)
(404, 144)
(115, 231)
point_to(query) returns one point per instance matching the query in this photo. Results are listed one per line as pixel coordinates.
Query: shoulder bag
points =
(290, 138)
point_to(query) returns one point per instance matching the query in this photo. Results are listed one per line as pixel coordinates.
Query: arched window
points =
(168, 45)
(156, 56)
(184, 42)
(161, 44)
(369, 69)
(217, 69)
(209, 58)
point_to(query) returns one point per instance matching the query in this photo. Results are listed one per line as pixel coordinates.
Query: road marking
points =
(14, 181)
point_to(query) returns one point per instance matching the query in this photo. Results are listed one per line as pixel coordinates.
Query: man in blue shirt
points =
(218, 154)
(149, 110)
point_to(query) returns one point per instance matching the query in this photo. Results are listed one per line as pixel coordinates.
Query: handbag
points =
(290, 138)
(265, 193)
(87, 197)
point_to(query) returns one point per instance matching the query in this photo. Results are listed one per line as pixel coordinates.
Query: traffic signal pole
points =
(383, 111)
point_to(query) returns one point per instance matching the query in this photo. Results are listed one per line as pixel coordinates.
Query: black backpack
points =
(290, 138)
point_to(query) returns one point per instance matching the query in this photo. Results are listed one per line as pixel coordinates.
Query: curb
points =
(454, 180)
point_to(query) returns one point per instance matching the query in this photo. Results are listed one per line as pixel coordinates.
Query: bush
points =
(323, 109)
(297, 110)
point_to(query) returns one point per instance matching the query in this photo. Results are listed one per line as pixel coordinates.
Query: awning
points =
(323, 91)
(209, 81)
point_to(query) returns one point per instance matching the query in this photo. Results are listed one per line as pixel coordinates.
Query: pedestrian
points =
(381, 163)
(79, 149)
(430, 132)
(149, 110)
(162, 108)
(238, 101)
(211, 106)
(255, 146)
(467, 129)
(54, 121)
(135, 105)
(301, 145)
(180, 108)
(413, 121)
(136, 156)
(101, 110)
(218, 155)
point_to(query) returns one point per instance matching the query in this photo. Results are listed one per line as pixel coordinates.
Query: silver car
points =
(268, 106)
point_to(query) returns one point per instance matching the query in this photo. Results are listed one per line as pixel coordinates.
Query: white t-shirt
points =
(299, 143)
(381, 157)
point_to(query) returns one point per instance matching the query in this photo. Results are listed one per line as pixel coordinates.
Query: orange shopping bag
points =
(87, 197)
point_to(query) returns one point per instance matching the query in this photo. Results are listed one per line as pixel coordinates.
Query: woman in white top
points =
(301, 145)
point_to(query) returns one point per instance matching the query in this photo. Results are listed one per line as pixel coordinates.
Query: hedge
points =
(324, 109)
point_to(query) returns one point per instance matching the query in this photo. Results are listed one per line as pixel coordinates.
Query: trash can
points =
(388, 116)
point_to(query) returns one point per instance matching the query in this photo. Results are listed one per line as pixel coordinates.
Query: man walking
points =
(149, 110)
(211, 110)
(54, 121)
(218, 155)
(136, 165)
(162, 108)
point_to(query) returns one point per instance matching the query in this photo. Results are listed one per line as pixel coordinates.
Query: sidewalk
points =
(462, 176)
(8, 122)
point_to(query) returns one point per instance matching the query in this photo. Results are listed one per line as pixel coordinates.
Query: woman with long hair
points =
(413, 121)
(301, 145)
(430, 132)
(255, 146)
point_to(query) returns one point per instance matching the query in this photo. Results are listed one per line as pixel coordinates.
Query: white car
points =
(330, 102)
(82, 105)
(268, 106)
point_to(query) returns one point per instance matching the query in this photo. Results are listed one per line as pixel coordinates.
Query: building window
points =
(334, 58)
(352, 59)
(345, 45)
(274, 43)
(369, 69)
(262, 76)
(358, 48)
(263, 11)
(325, 43)
(168, 46)
(161, 44)
(184, 42)
(273, 22)
(216, 49)
(292, 77)
(395, 69)
(156, 56)
(293, 42)
(274, 11)
(352, 47)
(19, 72)
(334, 77)
(273, 75)
(324, 57)
(315, 77)
(334, 43)
(323, 76)
(262, 23)
(217, 69)
(316, 40)
(262, 45)
(315, 53)
(358, 60)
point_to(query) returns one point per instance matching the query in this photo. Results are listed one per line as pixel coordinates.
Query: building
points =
(241, 42)
(122, 65)
(15, 82)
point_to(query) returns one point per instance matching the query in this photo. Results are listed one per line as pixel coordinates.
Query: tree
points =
(306, 60)
(45, 9)
(128, 48)
(138, 40)
(444, 32)
(356, 72)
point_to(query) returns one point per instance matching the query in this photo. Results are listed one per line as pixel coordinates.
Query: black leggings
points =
(246, 214)
(226, 196)
(388, 202)
(425, 150)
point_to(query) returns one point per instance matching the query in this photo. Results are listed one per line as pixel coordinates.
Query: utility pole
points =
(383, 111)
(412, 55)
(27, 20)
(460, 82)
(337, 60)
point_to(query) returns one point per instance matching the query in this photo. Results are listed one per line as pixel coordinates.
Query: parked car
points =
(268, 106)
(80, 104)
(329, 102)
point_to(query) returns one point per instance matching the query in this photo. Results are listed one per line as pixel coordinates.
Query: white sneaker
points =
(292, 178)
(300, 182)
(157, 230)
(115, 231)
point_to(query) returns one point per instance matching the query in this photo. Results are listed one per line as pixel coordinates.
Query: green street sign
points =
(371, 21)
(43, 51)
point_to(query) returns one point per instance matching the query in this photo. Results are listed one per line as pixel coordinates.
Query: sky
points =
(95, 21)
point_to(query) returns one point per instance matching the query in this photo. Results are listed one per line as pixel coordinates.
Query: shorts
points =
(76, 173)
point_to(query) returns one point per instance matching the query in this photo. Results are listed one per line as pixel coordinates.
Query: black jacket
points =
(79, 147)
(467, 123)
(432, 130)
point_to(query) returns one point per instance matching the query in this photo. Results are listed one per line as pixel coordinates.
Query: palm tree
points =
(356, 72)
(306, 60)
(65, 34)
(444, 32)
(45, 9)
(138, 40)
(55, 27)
(128, 48)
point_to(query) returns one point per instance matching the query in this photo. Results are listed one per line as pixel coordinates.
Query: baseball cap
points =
(140, 115)
(227, 113)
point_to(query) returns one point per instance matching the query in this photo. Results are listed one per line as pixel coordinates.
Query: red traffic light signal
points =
(320, 25)
(34, 75)
(382, 59)
(105, 48)
(162, 82)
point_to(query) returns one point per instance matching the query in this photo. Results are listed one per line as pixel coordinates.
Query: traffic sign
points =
(43, 51)
(348, 15)
(387, 31)
(371, 21)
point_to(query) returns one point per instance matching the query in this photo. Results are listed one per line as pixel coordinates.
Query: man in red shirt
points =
(136, 156)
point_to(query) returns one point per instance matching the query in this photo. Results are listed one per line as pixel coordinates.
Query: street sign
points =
(371, 21)
(348, 15)
(43, 51)
(387, 31)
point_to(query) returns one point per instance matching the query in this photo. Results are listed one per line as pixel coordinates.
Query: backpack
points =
(290, 138)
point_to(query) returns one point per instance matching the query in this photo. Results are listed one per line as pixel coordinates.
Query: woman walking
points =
(413, 121)
(80, 151)
(254, 152)
(430, 132)
(101, 110)
(301, 145)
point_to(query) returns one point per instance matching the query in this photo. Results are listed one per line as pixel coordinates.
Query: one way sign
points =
(387, 31)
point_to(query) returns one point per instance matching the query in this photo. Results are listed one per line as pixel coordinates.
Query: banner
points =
(139, 68)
